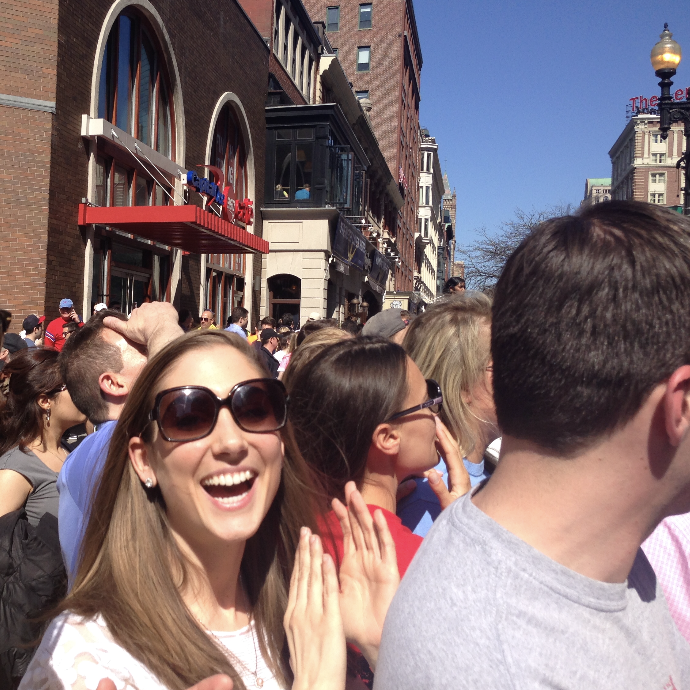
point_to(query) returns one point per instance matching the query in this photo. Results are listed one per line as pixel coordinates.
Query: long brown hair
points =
(131, 570)
(337, 399)
(32, 372)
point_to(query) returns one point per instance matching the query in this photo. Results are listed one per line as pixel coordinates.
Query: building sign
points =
(349, 245)
(650, 105)
(380, 267)
(231, 209)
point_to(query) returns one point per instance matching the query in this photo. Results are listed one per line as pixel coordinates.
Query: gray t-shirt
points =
(480, 608)
(44, 498)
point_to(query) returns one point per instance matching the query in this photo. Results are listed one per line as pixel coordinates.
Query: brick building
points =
(644, 165)
(112, 104)
(378, 46)
(446, 253)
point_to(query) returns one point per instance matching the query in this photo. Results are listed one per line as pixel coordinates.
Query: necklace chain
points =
(257, 681)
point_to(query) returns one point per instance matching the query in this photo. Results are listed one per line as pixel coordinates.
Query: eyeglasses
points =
(433, 403)
(205, 318)
(188, 413)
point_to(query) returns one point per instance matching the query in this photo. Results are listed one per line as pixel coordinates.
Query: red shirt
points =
(54, 339)
(406, 543)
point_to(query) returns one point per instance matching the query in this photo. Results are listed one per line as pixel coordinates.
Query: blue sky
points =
(526, 98)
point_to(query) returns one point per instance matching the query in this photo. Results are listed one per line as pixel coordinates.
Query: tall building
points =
(431, 231)
(644, 165)
(378, 46)
(446, 252)
(597, 189)
(118, 136)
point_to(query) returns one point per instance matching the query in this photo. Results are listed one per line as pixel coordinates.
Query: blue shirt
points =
(75, 483)
(235, 328)
(419, 510)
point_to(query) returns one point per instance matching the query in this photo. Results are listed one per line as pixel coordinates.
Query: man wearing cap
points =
(33, 329)
(387, 324)
(314, 316)
(269, 344)
(55, 340)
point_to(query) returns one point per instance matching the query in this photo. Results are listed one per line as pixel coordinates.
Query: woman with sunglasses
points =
(185, 563)
(35, 412)
(451, 343)
(361, 411)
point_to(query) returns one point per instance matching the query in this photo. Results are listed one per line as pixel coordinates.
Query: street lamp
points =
(665, 57)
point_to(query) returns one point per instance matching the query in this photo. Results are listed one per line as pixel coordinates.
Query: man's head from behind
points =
(99, 367)
(590, 314)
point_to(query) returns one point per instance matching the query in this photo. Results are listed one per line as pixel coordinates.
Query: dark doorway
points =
(284, 295)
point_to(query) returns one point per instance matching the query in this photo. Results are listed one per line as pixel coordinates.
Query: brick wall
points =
(28, 46)
(217, 50)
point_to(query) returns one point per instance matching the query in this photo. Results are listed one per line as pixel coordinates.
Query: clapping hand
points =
(369, 575)
(312, 621)
(458, 477)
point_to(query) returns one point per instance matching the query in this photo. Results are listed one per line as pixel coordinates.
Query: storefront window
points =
(282, 172)
(133, 88)
(229, 153)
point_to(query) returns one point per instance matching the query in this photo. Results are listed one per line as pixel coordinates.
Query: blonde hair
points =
(132, 572)
(445, 343)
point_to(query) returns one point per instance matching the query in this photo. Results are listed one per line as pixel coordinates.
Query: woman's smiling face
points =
(218, 488)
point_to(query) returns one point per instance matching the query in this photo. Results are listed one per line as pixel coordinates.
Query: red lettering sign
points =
(653, 101)
(244, 211)
(678, 95)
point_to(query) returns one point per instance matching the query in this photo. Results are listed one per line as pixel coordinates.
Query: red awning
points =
(186, 227)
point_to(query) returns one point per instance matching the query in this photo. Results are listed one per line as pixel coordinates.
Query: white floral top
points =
(75, 654)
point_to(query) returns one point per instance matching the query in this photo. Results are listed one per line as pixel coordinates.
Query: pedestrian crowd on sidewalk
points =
(190, 505)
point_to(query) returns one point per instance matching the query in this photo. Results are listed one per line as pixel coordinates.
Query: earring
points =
(48, 416)
(148, 483)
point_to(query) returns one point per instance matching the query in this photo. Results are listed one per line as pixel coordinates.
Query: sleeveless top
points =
(44, 496)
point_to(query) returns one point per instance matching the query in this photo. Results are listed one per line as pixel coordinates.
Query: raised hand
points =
(153, 324)
(312, 620)
(369, 574)
(458, 477)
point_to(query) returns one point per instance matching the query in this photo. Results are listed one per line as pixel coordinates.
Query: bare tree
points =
(484, 258)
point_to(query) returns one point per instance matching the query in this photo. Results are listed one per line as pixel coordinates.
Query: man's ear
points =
(112, 384)
(677, 405)
(386, 438)
(139, 457)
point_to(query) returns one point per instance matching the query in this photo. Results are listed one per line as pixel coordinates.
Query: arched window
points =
(229, 152)
(134, 91)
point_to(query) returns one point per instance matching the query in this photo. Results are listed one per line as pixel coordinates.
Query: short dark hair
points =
(268, 321)
(71, 326)
(350, 326)
(591, 312)
(288, 320)
(237, 314)
(453, 282)
(312, 326)
(83, 359)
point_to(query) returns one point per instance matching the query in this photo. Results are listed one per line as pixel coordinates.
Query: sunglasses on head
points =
(433, 404)
(188, 413)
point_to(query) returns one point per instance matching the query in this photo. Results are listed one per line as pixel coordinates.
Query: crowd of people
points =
(318, 507)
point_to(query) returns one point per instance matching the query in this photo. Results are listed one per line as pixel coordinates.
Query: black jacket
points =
(270, 361)
(32, 580)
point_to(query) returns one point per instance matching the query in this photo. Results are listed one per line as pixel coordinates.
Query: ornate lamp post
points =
(666, 55)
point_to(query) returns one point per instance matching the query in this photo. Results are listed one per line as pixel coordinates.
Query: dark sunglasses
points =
(188, 413)
(433, 403)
